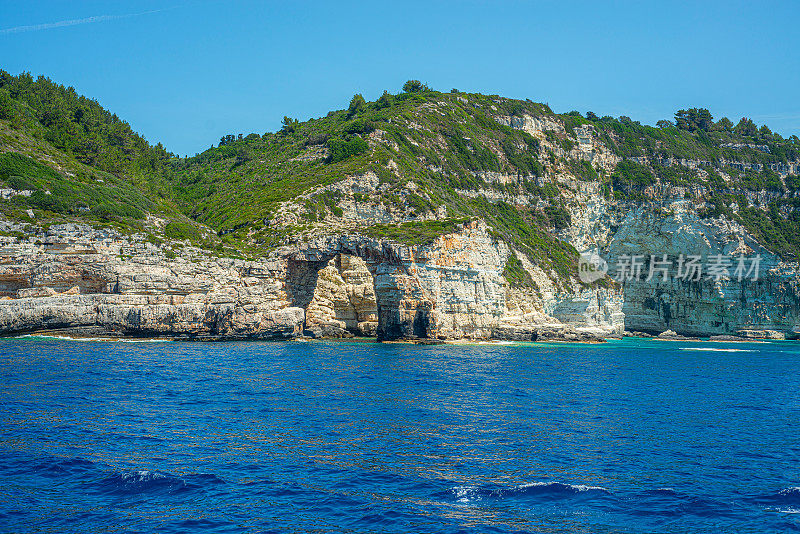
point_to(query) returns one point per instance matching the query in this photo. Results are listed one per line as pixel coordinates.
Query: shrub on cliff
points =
(630, 178)
(341, 149)
(515, 274)
(109, 210)
(180, 230)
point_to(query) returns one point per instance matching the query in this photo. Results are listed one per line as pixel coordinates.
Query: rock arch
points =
(326, 278)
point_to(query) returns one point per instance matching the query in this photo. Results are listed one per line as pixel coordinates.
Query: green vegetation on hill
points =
(694, 135)
(777, 227)
(438, 140)
(67, 159)
(445, 156)
(516, 275)
(414, 232)
(76, 194)
(82, 128)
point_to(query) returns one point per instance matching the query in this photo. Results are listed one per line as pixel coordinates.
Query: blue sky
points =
(187, 72)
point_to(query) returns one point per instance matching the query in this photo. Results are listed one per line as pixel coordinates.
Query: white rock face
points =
(451, 289)
(350, 284)
(708, 306)
(532, 125)
(670, 225)
(143, 294)
(344, 299)
(331, 286)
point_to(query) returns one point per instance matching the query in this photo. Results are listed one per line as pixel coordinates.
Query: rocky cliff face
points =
(75, 277)
(344, 301)
(668, 224)
(667, 221)
(706, 306)
(83, 278)
(80, 278)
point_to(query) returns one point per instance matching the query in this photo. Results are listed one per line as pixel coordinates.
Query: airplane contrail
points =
(73, 22)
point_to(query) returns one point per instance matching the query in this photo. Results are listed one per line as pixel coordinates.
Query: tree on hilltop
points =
(694, 119)
(746, 127)
(289, 125)
(385, 100)
(415, 86)
(725, 124)
(357, 105)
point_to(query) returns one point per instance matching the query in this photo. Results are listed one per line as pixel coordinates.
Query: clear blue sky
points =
(187, 72)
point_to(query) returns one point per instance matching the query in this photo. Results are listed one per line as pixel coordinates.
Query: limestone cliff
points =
(79, 278)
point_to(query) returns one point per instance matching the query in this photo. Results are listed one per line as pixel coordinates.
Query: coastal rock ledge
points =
(77, 277)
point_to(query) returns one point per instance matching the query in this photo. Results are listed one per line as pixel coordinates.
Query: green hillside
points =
(438, 159)
(64, 158)
(445, 143)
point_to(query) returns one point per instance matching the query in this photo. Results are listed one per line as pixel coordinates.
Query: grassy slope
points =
(81, 163)
(438, 141)
(428, 149)
(442, 142)
(76, 190)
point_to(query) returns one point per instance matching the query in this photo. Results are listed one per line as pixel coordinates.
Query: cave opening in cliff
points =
(337, 294)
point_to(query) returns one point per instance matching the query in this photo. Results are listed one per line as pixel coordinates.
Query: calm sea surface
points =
(629, 436)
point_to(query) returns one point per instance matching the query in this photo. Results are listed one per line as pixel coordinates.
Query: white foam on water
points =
(533, 485)
(582, 487)
(710, 349)
(577, 487)
(141, 340)
(141, 476)
(464, 493)
(103, 339)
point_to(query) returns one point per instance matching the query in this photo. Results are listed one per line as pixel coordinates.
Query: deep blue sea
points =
(628, 436)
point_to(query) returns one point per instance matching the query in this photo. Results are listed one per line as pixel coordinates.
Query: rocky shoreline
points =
(97, 334)
(76, 278)
(79, 280)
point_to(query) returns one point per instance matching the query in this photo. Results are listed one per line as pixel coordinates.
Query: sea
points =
(634, 435)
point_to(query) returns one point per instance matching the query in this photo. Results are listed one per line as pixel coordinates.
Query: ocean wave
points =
(712, 349)
(136, 482)
(57, 467)
(539, 490)
(101, 339)
(787, 498)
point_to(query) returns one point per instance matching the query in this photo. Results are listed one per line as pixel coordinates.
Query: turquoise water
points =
(629, 436)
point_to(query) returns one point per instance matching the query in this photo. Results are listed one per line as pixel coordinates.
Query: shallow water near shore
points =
(627, 436)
